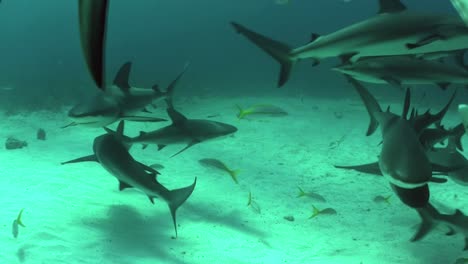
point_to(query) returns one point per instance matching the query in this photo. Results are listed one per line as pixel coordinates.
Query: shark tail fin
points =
(173, 84)
(454, 141)
(279, 51)
(427, 222)
(176, 198)
(370, 102)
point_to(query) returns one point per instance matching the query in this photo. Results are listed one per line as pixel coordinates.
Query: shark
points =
(393, 31)
(92, 18)
(431, 217)
(403, 160)
(183, 130)
(120, 102)
(404, 70)
(110, 151)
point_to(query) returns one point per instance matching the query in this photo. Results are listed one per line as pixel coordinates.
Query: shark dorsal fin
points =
(406, 105)
(314, 37)
(391, 6)
(120, 128)
(122, 77)
(176, 117)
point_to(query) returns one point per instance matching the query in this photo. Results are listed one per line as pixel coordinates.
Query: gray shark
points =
(402, 160)
(457, 222)
(451, 158)
(92, 20)
(113, 155)
(404, 70)
(120, 102)
(183, 131)
(394, 31)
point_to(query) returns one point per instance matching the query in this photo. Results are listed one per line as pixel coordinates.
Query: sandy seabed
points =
(76, 214)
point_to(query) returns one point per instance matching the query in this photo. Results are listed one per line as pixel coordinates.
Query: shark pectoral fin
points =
(425, 41)
(391, 6)
(194, 142)
(370, 168)
(176, 198)
(161, 146)
(437, 180)
(392, 81)
(443, 85)
(82, 159)
(347, 58)
(143, 119)
(123, 186)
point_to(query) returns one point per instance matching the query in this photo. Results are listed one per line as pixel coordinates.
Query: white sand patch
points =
(75, 214)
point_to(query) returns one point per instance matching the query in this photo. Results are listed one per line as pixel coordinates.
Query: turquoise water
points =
(75, 213)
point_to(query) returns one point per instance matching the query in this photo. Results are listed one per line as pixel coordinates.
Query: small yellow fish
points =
(17, 222)
(326, 211)
(382, 199)
(252, 204)
(261, 109)
(215, 163)
(312, 195)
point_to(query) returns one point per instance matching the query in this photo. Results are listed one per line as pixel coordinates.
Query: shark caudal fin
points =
(428, 222)
(173, 84)
(279, 51)
(370, 102)
(176, 198)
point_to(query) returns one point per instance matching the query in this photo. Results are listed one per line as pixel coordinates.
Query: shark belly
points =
(388, 34)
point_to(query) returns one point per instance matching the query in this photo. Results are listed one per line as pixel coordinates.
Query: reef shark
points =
(120, 102)
(183, 131)
(92, 16)
(430, 216)
(403, 160)
(403, 70)
(393, 31)
(113, 155)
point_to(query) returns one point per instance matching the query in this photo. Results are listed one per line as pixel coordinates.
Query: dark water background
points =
(41, 54)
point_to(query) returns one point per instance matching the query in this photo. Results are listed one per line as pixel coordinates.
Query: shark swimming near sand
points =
(393, 31)
(183, 131)
(92, 16)
(121, 102)
(431, 217)
(403, 160)
(113, 155)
